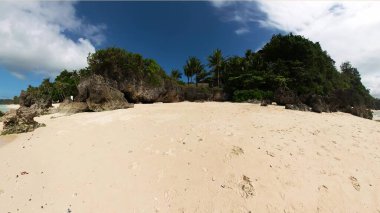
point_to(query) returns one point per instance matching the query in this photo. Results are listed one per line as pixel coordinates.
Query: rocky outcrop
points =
(299, 107)
(338, 101)
(29, 100)
(265, 102)
(193, 93)
(145, 82)
(40, 105)
(100, 95)
(317, 104)
(283, 96)
(19, 121)
(360, 111)
(172, 92)
(70, 107)
(218, 95)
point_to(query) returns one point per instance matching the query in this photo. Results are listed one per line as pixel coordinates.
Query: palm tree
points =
(216, 61)
(201, 76)
(192, 67)
(188, 72)
(176, 74)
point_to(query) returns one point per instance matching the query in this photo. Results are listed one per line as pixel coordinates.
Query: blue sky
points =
(170, 32)
(39, 39)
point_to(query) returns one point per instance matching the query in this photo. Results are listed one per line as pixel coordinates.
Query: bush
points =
(245, 95)
(1, 114)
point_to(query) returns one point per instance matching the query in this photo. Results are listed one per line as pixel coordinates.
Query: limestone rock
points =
(100, 95)
(283, 96)
(20, 120)
(70, 107)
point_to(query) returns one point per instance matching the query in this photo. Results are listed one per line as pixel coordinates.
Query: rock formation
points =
(283, 96)
(28, 100)
(299, 106)
(193, 93)
(100, 95)
(19, 121)
(39, 104)
(70, 107)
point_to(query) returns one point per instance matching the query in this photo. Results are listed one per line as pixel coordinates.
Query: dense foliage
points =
(116, 63)
(109, 62)
(194, 67)
(286, 61)
(255, 94)
(296, 63)
(176, 74)
(64, 86)
(215, 62)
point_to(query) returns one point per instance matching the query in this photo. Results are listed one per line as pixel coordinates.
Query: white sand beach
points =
(193, 157)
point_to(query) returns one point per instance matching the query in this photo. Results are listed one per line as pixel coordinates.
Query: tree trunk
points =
(218, 80)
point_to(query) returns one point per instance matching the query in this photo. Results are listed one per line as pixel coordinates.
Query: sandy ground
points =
(193, 157)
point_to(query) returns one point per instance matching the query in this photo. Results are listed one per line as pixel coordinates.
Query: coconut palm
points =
(216, 61)
(176, 74)
(192, 67)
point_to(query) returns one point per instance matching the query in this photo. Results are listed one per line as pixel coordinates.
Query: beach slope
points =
(193, 157)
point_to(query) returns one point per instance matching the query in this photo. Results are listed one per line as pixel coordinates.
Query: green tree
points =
(201, 76)
(117, 64)
(176, 74)
(193, 67)
(66, 85)
(16, 100)
(215, 62)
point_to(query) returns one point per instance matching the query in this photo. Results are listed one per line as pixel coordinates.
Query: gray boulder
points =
(318, 104)
(100, 95)
(299, 107)
(19, 121)
(28, 100)
(70, 107)
(283, 96)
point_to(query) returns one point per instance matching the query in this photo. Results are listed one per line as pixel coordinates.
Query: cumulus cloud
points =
(34, 37)
(241, 12)
(348, 30)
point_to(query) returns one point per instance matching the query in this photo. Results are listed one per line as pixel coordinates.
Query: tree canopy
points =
(286, 61)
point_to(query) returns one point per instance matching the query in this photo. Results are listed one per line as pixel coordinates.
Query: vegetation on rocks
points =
(19, 121)
(289, 69)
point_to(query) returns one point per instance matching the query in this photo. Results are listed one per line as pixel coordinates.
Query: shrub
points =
(245, 95)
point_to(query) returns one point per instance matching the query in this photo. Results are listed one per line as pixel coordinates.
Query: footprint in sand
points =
(237, 150)
(270, 154)
(247, 189)
(229, 134)
(355, 183)
(323, 188)
(134, 165)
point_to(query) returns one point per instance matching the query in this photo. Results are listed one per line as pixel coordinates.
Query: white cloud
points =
(347, 30)
(242, 30)
(221, 3)
(33, 37)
